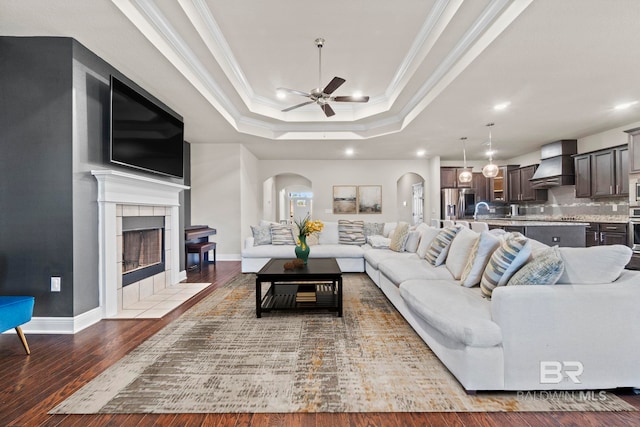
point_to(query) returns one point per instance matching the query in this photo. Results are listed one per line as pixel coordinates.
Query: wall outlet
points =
(614, 208)
(541, 209)
(55, 284)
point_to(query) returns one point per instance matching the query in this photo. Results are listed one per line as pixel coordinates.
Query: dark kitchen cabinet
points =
(480, 185)
(449, 178)
(634, 150)
(499, 186)
(603, 173)
(605, 233)
(520, 188)
(583, 175)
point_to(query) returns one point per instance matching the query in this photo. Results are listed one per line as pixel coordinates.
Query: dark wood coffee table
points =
(316, 286)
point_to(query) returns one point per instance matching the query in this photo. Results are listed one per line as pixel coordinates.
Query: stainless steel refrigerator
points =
(457, 203)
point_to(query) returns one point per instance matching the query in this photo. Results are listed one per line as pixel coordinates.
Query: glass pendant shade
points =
(490, 170)
(465, 176)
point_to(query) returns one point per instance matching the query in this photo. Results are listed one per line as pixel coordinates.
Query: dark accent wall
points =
(54, 127)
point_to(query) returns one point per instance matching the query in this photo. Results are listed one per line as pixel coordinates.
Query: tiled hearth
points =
(124, 194)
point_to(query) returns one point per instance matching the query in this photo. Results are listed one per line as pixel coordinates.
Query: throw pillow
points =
(351, 232)
(329, 234)
(596, 264)
(437, 252)
(459, 251)
(373, 228)
(544, 269)
(282, 235)
(411, 241)
(505, 261)
(261, 234)
(379, 242)
(425, 240)
(479, 256)
(399, 234)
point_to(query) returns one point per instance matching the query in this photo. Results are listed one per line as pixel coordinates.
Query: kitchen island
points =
(561, 233)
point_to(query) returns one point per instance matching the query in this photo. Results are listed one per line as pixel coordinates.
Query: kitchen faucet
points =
(475, 211)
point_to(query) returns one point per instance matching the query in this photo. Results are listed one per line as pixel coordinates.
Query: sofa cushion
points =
(596, 264)
(374, 256)
(351, 232)
(388, 228)
(428, 234)
(479, 256)
(329, 234)
(336, 251)
(398, 237)
(544, 269)
(505, 261)
(399, 270)
(437, 252)
(458, 313)
(261, 234)
(269, 251)
(460, 250)
(282, 235)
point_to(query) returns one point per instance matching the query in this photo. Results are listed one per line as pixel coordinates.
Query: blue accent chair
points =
(16, 311)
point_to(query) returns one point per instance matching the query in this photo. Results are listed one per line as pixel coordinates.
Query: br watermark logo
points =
(554, 372)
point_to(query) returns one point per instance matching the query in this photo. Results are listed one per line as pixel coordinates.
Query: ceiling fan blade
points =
(333, 85)
(293, 91)
(298, 106)
(328, 111)
(350, 98)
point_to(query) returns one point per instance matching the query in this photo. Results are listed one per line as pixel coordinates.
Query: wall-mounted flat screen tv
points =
(144, 135)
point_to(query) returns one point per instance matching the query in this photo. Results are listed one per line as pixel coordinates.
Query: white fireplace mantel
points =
(115, 187)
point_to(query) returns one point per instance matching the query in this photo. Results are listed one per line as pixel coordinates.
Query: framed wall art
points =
(345, 199)
(370, 199)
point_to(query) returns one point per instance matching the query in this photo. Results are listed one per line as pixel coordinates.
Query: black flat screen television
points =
(144, 135)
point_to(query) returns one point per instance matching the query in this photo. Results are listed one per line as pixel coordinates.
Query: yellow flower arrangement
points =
(307, 227)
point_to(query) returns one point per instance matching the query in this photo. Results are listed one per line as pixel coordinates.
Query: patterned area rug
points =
(218, 357)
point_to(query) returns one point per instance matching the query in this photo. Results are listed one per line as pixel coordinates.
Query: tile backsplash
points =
(562, 202)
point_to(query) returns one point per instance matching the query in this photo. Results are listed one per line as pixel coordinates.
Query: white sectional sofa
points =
(581, 333)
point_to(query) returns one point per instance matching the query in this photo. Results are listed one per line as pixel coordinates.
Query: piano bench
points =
(200, 248)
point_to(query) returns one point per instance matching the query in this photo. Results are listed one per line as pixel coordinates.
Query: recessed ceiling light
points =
(501, 106)
(357, 94)
(280, 94)
(490, 152)
(625, 105)
(349, 151)
(421, 153)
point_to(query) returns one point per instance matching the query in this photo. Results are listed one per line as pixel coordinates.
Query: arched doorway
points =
(287, 197)
(410, 198)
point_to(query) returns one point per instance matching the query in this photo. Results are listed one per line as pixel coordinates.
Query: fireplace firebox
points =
(142, 248)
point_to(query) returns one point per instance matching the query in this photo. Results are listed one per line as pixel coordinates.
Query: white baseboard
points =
(61, 325)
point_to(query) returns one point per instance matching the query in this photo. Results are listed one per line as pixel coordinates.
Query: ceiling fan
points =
(322, 97)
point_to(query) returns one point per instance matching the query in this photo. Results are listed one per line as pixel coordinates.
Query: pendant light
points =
(466, 175)
(490, 170)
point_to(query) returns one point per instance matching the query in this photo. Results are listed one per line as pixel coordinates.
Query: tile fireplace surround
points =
(124, 194)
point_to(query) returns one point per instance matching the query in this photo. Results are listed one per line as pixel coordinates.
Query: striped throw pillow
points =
(505, 261)
(351, 232)
(481, 252)
(282, 235)
(437, 252)
(545, 269)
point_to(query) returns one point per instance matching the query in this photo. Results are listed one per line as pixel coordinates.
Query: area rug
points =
(219, 358)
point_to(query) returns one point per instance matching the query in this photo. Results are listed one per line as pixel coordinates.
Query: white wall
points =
(216, 185)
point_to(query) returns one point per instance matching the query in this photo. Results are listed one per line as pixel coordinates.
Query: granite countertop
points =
(530, 222)
(535, 220)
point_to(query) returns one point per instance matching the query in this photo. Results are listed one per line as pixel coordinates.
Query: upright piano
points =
(197, 243)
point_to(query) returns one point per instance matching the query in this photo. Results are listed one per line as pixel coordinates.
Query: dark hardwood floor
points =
(60, 364)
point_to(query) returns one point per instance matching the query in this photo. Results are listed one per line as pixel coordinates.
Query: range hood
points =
(556, 165)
